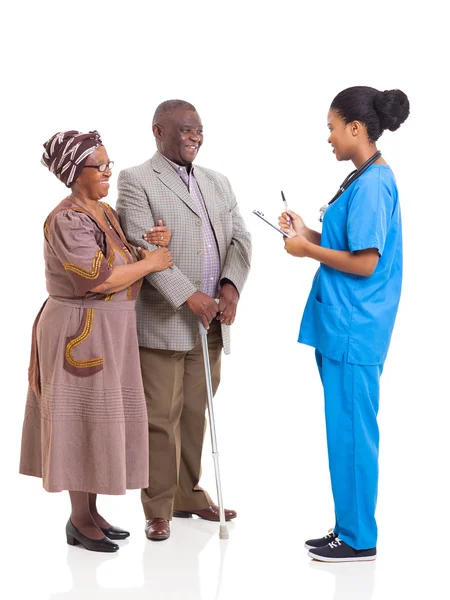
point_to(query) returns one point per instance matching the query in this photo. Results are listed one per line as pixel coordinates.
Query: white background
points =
(262, 76)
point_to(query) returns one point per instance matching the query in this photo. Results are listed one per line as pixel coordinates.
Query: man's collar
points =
(178, 168)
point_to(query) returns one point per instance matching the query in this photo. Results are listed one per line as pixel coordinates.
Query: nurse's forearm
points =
(362, 263)
(315, 237)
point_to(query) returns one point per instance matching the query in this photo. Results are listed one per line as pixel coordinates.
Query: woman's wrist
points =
(149, 268)
(310, 249)
(304, 231)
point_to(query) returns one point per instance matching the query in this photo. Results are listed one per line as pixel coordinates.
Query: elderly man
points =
(211, 251)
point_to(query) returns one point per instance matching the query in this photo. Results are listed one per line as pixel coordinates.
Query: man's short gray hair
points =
(169, 106)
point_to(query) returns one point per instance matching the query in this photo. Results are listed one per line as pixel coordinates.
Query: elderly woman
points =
(85, 426)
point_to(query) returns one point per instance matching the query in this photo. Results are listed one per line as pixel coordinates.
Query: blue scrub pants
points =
(351, 406)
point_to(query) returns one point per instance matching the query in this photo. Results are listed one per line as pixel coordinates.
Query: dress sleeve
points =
(72, 237)
(369, 215)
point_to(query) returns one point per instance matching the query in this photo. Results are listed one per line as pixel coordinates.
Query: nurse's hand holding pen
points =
(301, 235)
(297, 244)
(296, 225)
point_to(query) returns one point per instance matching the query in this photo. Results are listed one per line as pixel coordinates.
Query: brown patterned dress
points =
(85, 425)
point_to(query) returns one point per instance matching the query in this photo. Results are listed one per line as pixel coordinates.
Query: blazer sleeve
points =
(136, 218)
(239, 253)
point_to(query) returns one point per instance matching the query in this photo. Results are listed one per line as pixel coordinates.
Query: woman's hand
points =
(158, 235)
(291, 223)
(297, 246)
(158, 260)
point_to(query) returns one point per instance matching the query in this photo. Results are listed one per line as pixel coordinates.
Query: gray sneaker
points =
(320, 542)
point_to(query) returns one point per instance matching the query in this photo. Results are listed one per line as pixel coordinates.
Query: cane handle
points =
(201, 329)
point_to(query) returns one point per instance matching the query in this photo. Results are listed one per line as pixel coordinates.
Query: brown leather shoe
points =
(209, 514)
(157, 529)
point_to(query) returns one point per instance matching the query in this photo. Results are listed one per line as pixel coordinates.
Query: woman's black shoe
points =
(74, 537)
(114, 533)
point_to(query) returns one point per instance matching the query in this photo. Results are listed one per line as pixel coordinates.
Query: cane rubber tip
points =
(223, 533)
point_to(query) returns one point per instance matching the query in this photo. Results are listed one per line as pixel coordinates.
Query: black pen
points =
(286, 207)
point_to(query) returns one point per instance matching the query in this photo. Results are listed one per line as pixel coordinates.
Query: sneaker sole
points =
(354, 559)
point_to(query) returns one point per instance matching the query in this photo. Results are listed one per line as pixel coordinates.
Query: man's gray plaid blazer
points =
(152, 191)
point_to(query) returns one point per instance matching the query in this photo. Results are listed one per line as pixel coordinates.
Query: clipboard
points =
(259, 214)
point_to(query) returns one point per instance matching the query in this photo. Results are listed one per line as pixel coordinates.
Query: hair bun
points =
(392, 106)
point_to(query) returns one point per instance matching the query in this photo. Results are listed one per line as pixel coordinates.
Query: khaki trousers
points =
(176, 396)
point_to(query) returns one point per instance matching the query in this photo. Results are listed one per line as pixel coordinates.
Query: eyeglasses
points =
(101, 168)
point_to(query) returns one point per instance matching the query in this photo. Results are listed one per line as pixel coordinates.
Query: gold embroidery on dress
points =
(111, 257)
(109, 209)
(110, 261)
(46, 229)
(90, 362)
(124, 248)
(93, 273)
(123, 251)
(119, 250)
(126, 257)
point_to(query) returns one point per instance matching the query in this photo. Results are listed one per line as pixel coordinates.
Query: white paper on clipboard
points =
(261, 216)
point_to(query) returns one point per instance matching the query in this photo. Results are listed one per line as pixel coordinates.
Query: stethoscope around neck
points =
(353, 176)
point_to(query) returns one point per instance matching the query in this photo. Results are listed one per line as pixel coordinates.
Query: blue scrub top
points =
(350, 315)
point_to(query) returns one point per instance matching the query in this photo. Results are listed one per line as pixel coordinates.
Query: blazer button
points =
(198, 282)
(198, 222)
(199, 251)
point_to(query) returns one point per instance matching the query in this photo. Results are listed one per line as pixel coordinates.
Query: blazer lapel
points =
(208, 191)
(167, 174)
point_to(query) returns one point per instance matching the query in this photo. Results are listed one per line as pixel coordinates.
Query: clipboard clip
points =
(259, 214)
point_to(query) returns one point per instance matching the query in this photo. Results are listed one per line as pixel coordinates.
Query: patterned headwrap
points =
(67, 151)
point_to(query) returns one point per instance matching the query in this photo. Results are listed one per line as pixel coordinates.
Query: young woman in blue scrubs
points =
(350, 312)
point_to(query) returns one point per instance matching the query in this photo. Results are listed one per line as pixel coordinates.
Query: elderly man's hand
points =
(228, 300)
(158, 235)
(203, 306)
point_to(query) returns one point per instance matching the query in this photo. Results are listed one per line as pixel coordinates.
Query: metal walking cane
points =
(223, 530)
